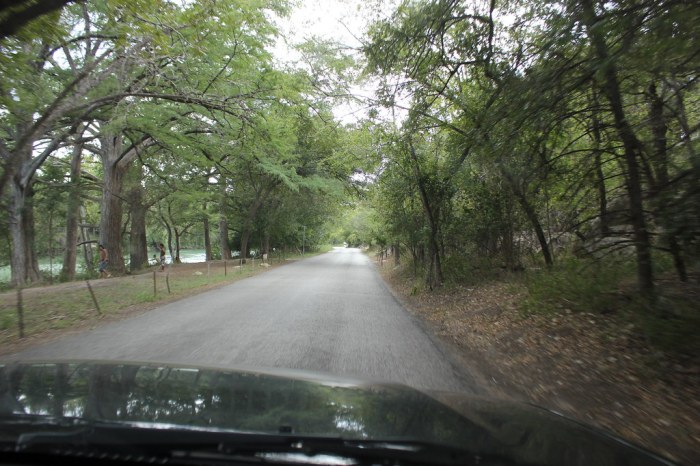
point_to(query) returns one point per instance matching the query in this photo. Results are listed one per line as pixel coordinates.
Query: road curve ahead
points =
(330, 313)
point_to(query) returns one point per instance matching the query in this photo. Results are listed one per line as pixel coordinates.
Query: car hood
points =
(302, 404)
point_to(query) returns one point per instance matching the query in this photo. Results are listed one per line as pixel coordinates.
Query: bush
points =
(670, 322)
(576, 284)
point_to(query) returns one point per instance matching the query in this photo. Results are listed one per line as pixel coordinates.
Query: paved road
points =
(330, 313)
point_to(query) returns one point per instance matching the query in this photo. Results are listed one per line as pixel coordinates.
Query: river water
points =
(187, 256)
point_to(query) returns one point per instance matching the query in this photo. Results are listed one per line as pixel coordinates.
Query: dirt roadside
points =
(588, 367)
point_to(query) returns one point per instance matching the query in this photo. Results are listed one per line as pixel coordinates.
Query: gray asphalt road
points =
(330, 313)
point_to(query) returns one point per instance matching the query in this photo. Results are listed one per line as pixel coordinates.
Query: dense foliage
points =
(540, 130)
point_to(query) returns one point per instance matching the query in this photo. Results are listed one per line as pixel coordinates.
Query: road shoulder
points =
(580, 364)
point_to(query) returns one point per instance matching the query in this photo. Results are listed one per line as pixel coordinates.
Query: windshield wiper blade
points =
(178, 444)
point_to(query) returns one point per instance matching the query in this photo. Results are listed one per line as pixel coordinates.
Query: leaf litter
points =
(590, 367)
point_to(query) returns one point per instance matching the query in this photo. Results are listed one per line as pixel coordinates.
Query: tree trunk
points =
(168, 232)
(18, 259)
(664, 208)
(70, 256)
(599, 175)
(50, 247)
(207, 236)
(223, 238)
(631, 146)
(176, 258)
(245, 237)
(266, 243)
(223, 226)
(414, 254)
(137, 238)
(111, 205)
(435, 275)
(531, 215)
(30, 233)
(247, 227)
(602, 196)
(508, 245)
(86, 240)
(23, 261)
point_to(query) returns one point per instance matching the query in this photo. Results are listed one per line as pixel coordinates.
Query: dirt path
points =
(589, 367)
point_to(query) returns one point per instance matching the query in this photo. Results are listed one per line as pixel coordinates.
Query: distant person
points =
(104, 261)
(162, 257)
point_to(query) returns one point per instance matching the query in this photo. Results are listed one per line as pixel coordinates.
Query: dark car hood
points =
(302, 404)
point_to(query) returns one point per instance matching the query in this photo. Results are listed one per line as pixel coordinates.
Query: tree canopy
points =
(160, 117)
(502, 134)
(535, 124)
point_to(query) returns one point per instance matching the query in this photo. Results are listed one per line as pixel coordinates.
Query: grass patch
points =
(69, 305)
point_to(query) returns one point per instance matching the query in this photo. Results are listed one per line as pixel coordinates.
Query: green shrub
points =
(576, 284)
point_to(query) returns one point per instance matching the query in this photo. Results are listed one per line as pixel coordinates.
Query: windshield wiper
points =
(179, 445)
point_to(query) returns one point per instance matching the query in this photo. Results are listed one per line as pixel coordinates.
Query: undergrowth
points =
(669, 321)
(577, 285)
